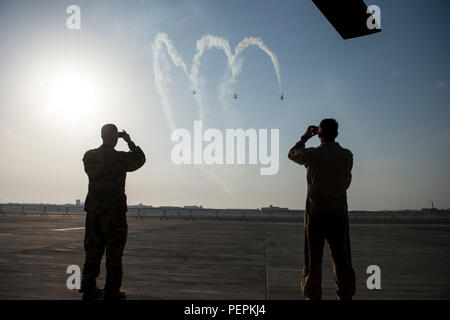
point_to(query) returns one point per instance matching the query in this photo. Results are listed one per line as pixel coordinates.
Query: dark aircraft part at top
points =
(235, 96)
(348, 17)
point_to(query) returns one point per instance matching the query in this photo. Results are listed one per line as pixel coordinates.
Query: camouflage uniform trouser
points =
(327, 220)
(105, 229)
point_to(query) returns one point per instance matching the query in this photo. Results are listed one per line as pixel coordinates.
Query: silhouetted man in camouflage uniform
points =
(106, 207)
(329, 175)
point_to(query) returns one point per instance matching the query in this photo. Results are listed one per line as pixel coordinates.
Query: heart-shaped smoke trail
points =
(205, 43)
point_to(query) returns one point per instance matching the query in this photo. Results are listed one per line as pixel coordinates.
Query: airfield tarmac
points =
(204, 259)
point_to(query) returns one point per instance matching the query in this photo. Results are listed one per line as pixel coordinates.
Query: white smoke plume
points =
(161, 77)
(205, 43)
(244, 44)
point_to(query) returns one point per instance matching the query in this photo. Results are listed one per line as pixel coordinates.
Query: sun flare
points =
(70, 96)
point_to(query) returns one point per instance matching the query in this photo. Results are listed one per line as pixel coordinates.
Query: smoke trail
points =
(205, 43)
(244, 44)
(227, 86)
(161, 79)
(209, 41)
(234, 64)
(161, 39)
(217, 179)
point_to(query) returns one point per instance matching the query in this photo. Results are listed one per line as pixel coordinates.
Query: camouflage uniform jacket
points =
(107, 169)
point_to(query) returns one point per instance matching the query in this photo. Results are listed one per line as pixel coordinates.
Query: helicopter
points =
(282, 96)
(235, 96)
(194, 92)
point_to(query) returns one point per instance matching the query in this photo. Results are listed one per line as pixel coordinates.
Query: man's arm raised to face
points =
(133, 159)
(298, 153)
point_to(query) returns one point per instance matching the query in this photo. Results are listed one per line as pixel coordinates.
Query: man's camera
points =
(121, 134)
(315, 129)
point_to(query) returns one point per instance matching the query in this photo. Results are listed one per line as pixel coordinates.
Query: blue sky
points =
(389, 93)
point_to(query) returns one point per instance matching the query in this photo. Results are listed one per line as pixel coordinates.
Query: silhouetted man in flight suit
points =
(328, 175)
(106, 207)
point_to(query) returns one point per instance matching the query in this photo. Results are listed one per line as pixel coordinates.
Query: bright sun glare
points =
(70, 96)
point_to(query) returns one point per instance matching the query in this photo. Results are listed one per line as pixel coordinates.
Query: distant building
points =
(432, 209)
(193, 207)
(272, 208)
(78, 202)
